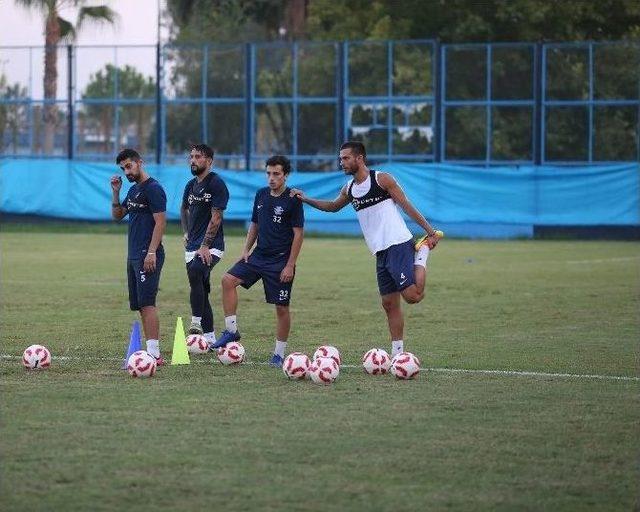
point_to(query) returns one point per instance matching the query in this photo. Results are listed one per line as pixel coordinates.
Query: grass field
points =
(85, 436)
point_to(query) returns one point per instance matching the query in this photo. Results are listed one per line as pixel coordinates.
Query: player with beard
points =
(205, 198)
(400, 264)
(146, 205)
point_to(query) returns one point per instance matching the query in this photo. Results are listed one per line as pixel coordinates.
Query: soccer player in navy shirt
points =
(146, 205)
(205, 198)
(277, 230)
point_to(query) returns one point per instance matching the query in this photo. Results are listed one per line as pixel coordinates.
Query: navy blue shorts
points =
(275, 292)
(394, 267)
(143, 286)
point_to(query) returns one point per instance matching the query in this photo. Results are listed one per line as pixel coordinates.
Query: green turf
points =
(85, 436)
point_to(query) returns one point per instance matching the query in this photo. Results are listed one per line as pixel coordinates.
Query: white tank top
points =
(378, 215)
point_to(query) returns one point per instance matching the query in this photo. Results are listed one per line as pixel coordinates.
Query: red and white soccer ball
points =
(141, 364)
(296, 365)
(197, 344)
(324, 370)
(328, 351)
(36, 357)
(231, 353)
(405, 365)
(376, 362)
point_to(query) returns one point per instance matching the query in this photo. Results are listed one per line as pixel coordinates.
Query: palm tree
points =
(56, 29)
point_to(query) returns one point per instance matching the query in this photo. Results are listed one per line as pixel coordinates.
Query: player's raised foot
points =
(159, 361)
(195, 328)
(225, 337)
(276, 361)
(428, 240)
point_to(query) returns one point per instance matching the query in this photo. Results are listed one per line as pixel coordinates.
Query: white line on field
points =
(510, 373)
(604, 260)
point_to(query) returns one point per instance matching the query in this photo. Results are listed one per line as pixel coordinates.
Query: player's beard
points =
(197, 171)
(132, 177)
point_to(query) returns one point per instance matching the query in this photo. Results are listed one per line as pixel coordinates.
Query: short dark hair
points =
(128, 153)
(280, 160)
(204, 149)
(355, 146)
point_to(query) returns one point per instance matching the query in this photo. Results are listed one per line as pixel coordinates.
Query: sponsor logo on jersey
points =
(135, 206)
(359, 203)
(196, 199)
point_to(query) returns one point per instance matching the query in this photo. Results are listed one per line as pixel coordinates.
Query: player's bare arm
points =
(326, 206)
(252, 236)
(118, 211)
(210, 234)
(184, 222)
(289, 270)
(160, 218)
(388, 183)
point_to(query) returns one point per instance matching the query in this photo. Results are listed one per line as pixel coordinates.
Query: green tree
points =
(136, 118)
(456, 21)
(12, 115)
(57, 29)
(451, 21)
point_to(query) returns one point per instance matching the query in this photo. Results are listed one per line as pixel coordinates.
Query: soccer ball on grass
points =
(405, 365)
(141, 364)
(376, 362)
(296, 365)
(197, 344)
(231, 353)
(36, 357)
(324, 370)
(328, 351)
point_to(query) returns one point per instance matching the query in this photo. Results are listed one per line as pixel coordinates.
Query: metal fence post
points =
(70, 104)
(537, 96)
(437, 103)
(158, 105)
(342, 82)
(248, 105)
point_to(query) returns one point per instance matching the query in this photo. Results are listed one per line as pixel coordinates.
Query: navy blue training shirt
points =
(142, 201)
(199, 198)
(276, 217)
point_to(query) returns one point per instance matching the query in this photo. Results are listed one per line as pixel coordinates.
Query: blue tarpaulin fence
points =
(463, 200)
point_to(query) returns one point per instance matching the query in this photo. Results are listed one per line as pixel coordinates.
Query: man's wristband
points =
(115, 205)
(150, 253)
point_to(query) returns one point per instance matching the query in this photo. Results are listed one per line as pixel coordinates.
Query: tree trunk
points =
(296, 16)
(50, 110)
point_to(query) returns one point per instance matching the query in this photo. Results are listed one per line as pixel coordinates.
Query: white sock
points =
(281, 346)
(421, 256)
(397, 346)
(210, 336)
(196, 319)
(231, 323)
(153, 347)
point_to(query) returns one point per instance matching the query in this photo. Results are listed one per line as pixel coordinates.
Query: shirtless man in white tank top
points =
(401, 264)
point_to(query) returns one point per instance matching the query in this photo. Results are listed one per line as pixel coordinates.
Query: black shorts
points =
(143, 286)
(275, 292)
(395, 268)
(197, 266)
